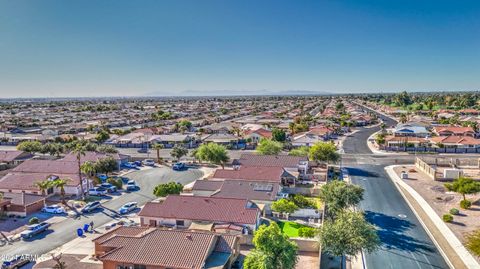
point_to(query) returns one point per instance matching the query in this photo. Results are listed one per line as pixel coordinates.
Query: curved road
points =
(405, 244)
(64, 231)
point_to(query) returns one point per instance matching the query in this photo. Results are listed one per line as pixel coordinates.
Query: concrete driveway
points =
(65, 231)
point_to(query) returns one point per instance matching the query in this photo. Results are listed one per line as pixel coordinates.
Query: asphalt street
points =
(405, 244)
(65, 231)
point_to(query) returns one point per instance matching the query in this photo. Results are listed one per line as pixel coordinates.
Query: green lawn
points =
(290, 228)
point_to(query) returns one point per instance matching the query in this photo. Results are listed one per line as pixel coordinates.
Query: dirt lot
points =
(442, 201)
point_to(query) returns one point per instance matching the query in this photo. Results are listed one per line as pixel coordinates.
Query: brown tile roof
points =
(200, 208)
(453, 139)
(453, 129)
(9, 155)
(71, 260)
(263, 191)
(168, 248)
(90, 156)
(207, 185)
(47, 166)
(269, 160)
(121, 231)
(23, 199)
(273, 174)
(26, 181)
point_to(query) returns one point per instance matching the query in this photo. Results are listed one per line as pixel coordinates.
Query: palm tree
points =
(60, 184)
(89, 169)
(80, 151)
(158, 147)
(43, 185)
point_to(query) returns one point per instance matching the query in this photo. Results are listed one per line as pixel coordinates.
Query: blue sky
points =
(102, 48)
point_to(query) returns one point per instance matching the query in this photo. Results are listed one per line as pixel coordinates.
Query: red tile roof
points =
(453, 129)
(453, 139)
(168, 248)
(269, 160)
(273, 174)
(199, 208)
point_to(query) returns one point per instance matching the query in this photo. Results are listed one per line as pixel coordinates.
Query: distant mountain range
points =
(237, 93)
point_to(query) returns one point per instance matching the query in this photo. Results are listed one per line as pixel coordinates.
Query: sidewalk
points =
(448, 244)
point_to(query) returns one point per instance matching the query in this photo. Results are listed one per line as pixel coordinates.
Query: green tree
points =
(348, 234)
(178, 152)
(158, 147)
(107, 149)
(30, 146)
(102, 136)
(464, 186)
(269, 147)
(163, 190)
(338, 195)
(278, 135)
(284, 206)
(273, 250)
(301, 151)
(213, 153)
(106, 165)
(324, 152)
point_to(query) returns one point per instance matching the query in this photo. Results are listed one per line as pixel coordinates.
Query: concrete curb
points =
(450, 237)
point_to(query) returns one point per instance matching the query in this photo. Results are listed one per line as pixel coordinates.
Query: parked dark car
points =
(179, 166)
(34, 230)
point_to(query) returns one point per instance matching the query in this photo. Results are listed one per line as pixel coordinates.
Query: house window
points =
(139, 266)
(180, 223)
(153, 223)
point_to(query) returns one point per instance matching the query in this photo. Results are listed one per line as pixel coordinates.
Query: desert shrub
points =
(454, 211)
(447, 218)
(117, 182)
(307, 232)
(465, 204)
(33, 220)
(473, 242)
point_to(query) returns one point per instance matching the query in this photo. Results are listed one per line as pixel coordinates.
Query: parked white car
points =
(97, 191)
(149, 162)
(53, 209)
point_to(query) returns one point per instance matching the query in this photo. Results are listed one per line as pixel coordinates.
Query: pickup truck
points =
(34, 230)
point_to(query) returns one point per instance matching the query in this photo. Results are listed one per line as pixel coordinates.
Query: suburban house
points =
(262, 193)
(411, 129)
(11, 158)
(454, 130)
(228, 140)
(20, 204)
(142, 248)
(291, 163)
(306, 139)
(183, 211)
(406, 141)
(170, 140)
(454, 141)
(23, 177)
(258, 134)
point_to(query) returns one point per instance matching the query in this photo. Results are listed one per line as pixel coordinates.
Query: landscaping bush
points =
(308, 232)
(33, 220)
(302, 202)
(465, 204)
(447, 218)
(454, 211)
(117, 182)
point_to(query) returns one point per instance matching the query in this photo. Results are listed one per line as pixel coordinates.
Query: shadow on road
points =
(361, 172)
(393, 233)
